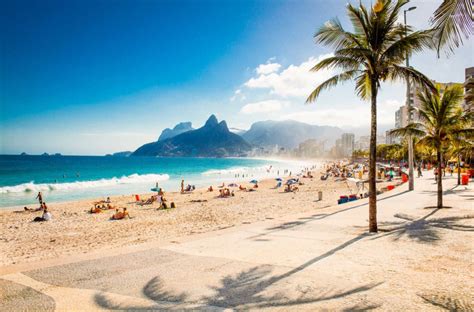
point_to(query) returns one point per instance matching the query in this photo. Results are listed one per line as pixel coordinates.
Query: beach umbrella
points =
(254, 181)
(278, 179)
(290, 182)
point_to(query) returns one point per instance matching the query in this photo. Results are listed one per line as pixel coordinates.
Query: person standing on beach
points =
(40, 198)
(182, 186)
(420, 174)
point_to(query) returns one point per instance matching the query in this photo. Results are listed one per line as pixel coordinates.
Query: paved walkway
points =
(323, 260)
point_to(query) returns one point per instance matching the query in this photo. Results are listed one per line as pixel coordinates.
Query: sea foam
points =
(234, 170)
(131, 179)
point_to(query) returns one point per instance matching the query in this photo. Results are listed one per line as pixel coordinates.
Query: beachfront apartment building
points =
(402, 114)
(363, 143)
(390, 138)
(401, 117)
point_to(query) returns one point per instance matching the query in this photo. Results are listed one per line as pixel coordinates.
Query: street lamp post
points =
(411, 184)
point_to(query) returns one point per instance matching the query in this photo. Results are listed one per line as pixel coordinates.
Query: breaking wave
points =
(131, 179)
(234, 170)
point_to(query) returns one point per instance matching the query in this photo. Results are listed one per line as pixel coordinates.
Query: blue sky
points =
(93, 77)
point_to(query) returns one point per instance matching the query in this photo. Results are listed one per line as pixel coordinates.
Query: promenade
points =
(421, 259)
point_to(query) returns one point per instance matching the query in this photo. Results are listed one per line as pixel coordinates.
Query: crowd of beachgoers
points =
(80, 225)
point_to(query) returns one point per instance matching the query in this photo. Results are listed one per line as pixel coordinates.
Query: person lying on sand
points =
(242, 188)
(120, 215)
(33, 210)
(107, 201)
(291, 188)
(198, 200)
(149, 201)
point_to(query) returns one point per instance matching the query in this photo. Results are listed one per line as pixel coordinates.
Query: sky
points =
(94, 77)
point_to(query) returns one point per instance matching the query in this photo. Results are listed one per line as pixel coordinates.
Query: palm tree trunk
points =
(372, 160)
(459, 169)
(440, 179)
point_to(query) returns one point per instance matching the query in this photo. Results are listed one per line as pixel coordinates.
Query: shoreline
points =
(142, 182)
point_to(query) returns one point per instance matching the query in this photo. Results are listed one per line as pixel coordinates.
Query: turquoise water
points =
(65, 178)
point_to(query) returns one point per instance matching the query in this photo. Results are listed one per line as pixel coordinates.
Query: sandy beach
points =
(263, 250)
(74, 230)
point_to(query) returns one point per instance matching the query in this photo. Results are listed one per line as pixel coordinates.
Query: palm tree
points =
(442, 122)
(451, 21)
(461, 142)
(372, 53)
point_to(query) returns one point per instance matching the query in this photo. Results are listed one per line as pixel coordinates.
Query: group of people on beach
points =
(46, 215)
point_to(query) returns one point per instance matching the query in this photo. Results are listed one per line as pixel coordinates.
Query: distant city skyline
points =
(96, 77)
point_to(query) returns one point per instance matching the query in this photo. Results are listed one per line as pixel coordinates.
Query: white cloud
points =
(238, 95)
(265, 69)
(357, 115)
(295, 80)
(263, 107)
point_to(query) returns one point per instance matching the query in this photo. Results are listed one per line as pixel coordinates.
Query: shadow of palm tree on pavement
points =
(247, 289)
(424, 229)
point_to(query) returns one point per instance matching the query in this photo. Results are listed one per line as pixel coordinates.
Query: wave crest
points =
(234, 170)
(131, 179)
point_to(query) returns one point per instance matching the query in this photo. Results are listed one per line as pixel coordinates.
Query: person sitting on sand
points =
(108, 201)
(96, 210)
(255, 185)
(120, 215)
(45, 217)
(210, 189)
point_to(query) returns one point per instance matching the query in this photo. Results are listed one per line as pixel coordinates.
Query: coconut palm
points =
(451, 21)
(372, 53)
(461, 140)
(442, 122)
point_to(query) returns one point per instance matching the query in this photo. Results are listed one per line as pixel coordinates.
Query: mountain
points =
(288, 133)
(211, 140)
(237, 131)
(178, 129)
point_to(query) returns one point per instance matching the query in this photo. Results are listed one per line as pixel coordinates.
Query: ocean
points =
(67, 178)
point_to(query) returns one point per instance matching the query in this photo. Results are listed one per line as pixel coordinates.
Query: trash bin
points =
(320, 195)
(464, 179)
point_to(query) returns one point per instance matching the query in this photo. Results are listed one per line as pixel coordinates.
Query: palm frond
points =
(452, 21)
(412, 129)
(407, 45)
(331, 82)
(345, 63)
(333, 34)
(397, 72)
